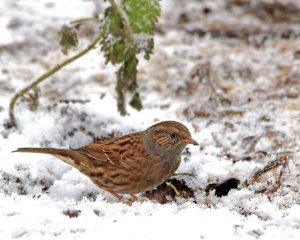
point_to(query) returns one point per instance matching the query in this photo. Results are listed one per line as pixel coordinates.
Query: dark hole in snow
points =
(222, 189)
(165, 194)
(207, 10)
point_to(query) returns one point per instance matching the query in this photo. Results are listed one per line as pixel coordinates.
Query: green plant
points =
(126, 30)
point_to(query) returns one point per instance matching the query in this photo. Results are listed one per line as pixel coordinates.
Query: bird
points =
(130, 164)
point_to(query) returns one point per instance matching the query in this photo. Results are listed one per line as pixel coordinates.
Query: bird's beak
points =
(190, 141)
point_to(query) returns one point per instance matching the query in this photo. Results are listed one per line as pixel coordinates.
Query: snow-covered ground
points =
(245, 115)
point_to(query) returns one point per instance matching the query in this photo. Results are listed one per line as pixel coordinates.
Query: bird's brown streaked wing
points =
(117, 152)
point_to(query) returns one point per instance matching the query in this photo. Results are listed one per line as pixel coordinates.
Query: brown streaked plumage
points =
(130, 164)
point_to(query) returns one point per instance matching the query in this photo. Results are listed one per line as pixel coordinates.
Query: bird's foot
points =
(135, 198)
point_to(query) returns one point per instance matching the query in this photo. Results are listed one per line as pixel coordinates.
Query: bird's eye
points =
(172, 135)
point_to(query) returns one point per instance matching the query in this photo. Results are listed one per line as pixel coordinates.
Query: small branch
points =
(184, 174)
(81, 20)
(12, 119)
(281, 160)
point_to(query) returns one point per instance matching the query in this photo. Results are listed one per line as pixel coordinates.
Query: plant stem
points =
(12, 119)
(174, 188)
(127, 26)
(81, 20)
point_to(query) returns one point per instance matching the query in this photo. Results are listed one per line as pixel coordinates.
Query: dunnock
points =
(130, 164)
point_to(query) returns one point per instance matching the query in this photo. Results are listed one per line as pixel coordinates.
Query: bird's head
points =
(168, 137)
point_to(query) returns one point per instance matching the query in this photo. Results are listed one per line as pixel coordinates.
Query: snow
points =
(44, 198)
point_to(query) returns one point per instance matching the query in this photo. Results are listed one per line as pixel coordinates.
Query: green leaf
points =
(112, 41)
(68, 39)
(136, 102)
(126, 76)
(128, 26)
(127, 30)
(143, 15)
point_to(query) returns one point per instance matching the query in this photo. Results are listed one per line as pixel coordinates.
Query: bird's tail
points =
(67, 155)
(53, 151)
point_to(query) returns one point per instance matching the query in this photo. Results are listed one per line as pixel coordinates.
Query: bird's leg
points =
(135, 197)
(117, 196)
